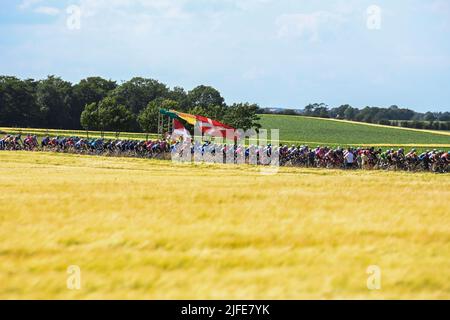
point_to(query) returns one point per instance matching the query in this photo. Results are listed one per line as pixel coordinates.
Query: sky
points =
(277, 53)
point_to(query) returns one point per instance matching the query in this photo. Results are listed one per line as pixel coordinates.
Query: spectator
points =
(349, 159)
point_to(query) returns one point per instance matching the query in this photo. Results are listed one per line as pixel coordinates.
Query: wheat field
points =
(142, 229)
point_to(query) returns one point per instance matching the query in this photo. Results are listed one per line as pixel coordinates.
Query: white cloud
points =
(51, 11)
(188, 42)
(249, 4)
(175, 9)
(25, 4)
(307, 24)
(170, 9)
(440, 6)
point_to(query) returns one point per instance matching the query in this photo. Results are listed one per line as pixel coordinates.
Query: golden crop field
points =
(154, 230)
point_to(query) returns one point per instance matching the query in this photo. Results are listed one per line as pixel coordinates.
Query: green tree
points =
(205, 96)
(138, 92)
(350, 113)
(116, 117)
(216, 112)
(444, 116)
(317, 110)
(87, 91)
(339, 112)
(243, 116)
(90, 117)
(18, 107)
(148, 118)
(289, 112)
(54, 98)
(429, 116)
(179, 95)
(107, 115)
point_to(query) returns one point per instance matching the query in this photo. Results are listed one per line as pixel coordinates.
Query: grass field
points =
(153, 230)
(334, 132)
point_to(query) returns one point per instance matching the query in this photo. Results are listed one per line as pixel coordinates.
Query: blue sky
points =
(277, 53)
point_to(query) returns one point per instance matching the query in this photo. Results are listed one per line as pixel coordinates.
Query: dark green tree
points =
(430, 116)
(339, 112)
(317, 110)
(138, 92)
(289, 112)
(205, 96)
(216, 112)
(116, 117)
(90, 117)
(350, 113)
(54, 98)
(107, 115)
(148, 118)
(18, 107)
(87, 91)
(243, 116)
(179, 95)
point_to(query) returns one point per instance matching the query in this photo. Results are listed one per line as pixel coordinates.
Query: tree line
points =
(99, 104)
(394, 115)
(104, 105)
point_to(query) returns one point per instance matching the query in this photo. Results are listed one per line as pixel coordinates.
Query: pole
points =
(160, 125)
(168, 125)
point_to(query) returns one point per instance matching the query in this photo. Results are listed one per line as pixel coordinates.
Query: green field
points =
(334, 132)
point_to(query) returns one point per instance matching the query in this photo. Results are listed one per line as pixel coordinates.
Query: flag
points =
(179, 130)
(212, 127)
(189, 118)
(207, 125)
(212, 123)
(171, 114)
